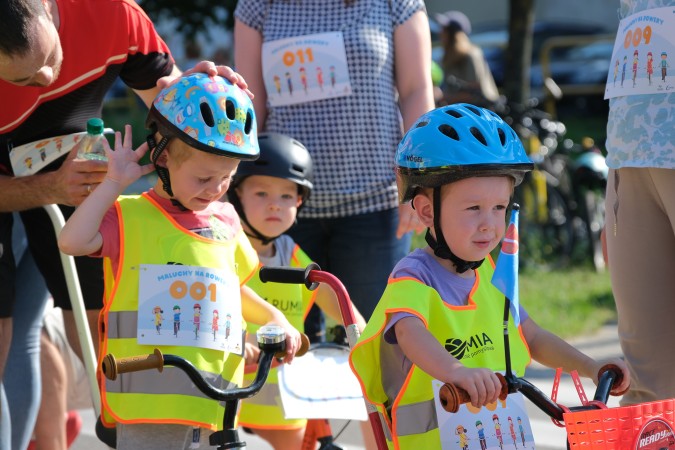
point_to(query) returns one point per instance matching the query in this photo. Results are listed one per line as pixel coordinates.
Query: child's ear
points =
(161, 161)
(299, 201)
(424, 208)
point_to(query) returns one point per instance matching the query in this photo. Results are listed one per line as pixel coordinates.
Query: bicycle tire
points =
(593, 210)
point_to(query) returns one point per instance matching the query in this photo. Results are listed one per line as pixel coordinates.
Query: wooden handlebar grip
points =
(452, 397)
(111, 367)
(304, 346)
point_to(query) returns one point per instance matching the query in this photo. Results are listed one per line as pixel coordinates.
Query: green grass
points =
(568, 302)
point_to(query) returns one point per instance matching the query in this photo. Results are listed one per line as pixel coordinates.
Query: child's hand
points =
(123, 167)
(482, 385)
(293, 339)
(618, 389)
(251, 353)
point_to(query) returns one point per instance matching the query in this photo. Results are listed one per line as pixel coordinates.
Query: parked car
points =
(579, 65)
(493, 39)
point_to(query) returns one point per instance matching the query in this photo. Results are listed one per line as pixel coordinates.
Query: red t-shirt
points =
(198, 222)
(101, 39)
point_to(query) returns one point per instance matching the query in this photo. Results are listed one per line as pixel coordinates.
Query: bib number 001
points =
(197, 290)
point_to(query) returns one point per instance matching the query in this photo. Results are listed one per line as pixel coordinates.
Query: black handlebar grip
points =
(111, 367)
(618, 377)
(289, 275)
(304, 346)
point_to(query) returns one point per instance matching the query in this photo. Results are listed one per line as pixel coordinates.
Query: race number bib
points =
(504, 424)
(29, 159)
(190, 306)
(306, 68)
(644, 47)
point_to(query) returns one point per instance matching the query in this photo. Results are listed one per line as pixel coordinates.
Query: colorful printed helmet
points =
(209, 114)
(455, 142)
(281, 156)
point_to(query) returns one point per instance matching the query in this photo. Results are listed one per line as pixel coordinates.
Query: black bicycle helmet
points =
(452, 143)
(281, 156)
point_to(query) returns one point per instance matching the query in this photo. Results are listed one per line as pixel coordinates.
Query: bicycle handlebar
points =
(111, 367)
(290, 275)
(312, 276)
(452, 397)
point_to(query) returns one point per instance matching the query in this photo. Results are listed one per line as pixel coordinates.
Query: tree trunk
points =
(518, 58)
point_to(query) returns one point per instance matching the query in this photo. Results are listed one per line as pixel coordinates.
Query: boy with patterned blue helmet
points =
(175, 244)
(440, 320)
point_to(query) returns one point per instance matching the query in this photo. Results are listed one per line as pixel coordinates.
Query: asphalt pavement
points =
(603, 344)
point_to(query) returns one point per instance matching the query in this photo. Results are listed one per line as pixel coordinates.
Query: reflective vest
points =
(148, 235)
(472, 333)
(264, 410)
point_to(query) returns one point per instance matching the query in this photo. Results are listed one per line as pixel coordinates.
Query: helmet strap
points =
(255, 234)
(440, 246)
(162, 172)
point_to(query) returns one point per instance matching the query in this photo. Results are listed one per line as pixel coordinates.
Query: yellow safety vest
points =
(149, 235)
(472, 333)
(264, 410)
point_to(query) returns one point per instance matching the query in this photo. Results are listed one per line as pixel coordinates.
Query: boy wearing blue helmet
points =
(175, 244)
(440, 318)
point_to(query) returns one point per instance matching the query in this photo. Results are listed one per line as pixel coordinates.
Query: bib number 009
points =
(635, 36)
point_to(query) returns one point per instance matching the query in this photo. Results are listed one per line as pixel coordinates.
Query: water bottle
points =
(92, 145)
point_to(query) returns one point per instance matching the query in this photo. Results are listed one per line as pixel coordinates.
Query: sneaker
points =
(73, 426)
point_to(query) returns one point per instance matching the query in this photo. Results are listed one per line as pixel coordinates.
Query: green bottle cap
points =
(95, 126)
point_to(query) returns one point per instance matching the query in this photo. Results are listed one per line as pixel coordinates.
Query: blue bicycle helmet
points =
(454, 142)
(207, 113)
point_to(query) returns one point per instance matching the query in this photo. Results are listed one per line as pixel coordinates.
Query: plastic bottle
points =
(91, 146)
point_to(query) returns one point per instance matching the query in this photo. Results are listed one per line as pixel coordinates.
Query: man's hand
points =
(211, 69)
(77, 178)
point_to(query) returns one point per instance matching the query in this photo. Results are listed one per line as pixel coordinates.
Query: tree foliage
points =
(192, 17)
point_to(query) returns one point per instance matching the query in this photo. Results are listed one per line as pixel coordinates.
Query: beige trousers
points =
(640, 228)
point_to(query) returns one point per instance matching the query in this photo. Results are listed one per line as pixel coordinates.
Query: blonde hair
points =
(179, 151)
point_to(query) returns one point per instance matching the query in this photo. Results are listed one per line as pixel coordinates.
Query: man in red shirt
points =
(57, 60)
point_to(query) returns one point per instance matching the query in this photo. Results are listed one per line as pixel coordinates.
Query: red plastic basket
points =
(646, 426)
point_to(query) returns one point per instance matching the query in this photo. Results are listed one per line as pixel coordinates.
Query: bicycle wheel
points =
(548, 240)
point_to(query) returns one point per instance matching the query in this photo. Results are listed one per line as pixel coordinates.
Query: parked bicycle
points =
(562, 198)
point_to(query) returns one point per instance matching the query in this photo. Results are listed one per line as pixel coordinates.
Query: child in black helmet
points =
(440, 320)
(176, 244)
(267, 194)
